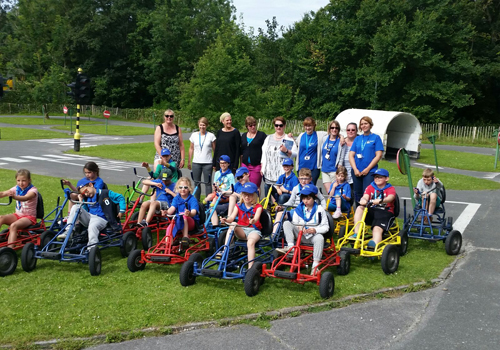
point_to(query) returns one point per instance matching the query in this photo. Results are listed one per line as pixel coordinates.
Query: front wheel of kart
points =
(326, 285)
(211, 246)
(222, 238)
(147, 238)
(345, 263)
(46, 237)
(134, 216)
(95, 261)
(134, 263)
(28, 260)
(187, 276)
(453, 243)
(128, 244)
(8, 261)
(342, 230)
(403, 248)
(4, 235)
(253, 279)
(196, 257)
(390, 259)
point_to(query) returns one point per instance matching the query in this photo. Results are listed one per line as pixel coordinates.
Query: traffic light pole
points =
(76, 137)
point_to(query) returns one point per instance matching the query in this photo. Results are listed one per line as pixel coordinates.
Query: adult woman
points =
(276, 148)
(168, 135)
(251, 150)
(228, 143)
(332, 150)
(352, 132)
(200, 151)
(309, 143)
(365, 153)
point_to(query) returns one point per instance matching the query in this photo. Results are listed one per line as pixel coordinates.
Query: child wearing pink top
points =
(26, 196)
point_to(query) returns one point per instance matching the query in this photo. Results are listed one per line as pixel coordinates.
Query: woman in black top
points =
(228, 143)
(168, 135)
(251, 150)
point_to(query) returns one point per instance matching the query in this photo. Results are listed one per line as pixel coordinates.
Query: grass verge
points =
(16, 134)
(115, 130)
(459, 160)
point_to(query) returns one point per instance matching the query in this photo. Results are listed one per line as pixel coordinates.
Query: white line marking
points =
(15, 160)
(3, 163)
(427, 165)
(491, 175)
(34, 158)
(60, 157)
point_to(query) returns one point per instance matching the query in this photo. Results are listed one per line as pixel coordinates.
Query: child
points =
(160, 200)
(96, 216)
(307, 213)
(286, 182)
(185, 203)
(248, 213)
(382, 195)
(429, 187)
(223, 180)
(341, 191)
(242, 176)
(26, 196)
(164, 163)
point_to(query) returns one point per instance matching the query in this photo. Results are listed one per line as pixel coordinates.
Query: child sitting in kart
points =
(340, 191)
(160, 200)
(286, 182)
(26, 196)
(185, 203)
(382, 194)
(164, 164)
(223, 180)
(429, 187)
(308, 212)
(242, 177)
(96, 216)
(248, 212)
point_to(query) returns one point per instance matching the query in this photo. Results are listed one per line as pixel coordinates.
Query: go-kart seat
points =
(40, 213)
(199, 225)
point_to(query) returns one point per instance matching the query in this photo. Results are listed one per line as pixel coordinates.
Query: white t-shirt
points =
(202, 147)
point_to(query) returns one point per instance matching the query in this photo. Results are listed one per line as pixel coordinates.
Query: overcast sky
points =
(286, 12)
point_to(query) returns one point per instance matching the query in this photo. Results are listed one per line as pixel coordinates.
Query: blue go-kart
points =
(433, 228)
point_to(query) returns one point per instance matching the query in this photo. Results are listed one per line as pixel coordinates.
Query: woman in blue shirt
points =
(332, 152)
(309, 143)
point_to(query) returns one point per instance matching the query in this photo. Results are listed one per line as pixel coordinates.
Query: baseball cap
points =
(225, 158)
(309, 189)
(381, 172)
(166, 174)
(288, 161)
(165, 152)
(82, 183)
(250, 187)
(241, 171)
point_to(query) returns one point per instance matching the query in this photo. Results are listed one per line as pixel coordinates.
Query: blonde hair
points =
(305, 172)
(203, 120)
(250, 121)
(366, 119)
(224, 116)
(188, 183)
(24, 172)
(255, 198)
(428, 172)
(169, 110)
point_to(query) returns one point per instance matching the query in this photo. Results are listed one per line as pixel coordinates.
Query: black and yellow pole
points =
(76, 137)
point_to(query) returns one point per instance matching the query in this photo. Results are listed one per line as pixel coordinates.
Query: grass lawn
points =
(100, 129)
(16, 134)
(458, 160)
(40, 121)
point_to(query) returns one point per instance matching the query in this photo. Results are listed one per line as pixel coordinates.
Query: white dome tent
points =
(396, 129)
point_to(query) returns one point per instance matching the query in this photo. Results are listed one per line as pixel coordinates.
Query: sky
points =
(287, 12)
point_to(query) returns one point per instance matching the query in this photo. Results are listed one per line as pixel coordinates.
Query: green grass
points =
(117, 130)
(16, 134)
(40, 121)
(458, 160)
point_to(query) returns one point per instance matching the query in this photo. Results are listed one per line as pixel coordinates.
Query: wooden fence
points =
(462, 133)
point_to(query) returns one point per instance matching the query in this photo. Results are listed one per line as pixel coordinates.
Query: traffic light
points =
(1, 86)
(72, 92)
(82, 89)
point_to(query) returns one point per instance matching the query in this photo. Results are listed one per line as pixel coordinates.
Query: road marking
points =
(427, 165)
(15, 160)
(491, 175)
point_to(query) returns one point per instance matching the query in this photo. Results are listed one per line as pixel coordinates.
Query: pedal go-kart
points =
(393, 245)
(421, 225)
(294, 265)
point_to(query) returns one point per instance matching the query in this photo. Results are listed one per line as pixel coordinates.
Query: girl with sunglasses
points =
(168, 135)
(332, 151)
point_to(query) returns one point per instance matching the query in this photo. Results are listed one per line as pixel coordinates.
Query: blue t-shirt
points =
(343, 188)
(330, 148)
(224, 182)
(288, 182)
(366, 146)
(161, 194)
(189, 203)
(238, 187)
(308, 148)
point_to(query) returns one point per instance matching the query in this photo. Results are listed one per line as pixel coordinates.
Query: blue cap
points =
(225, 159)
(288, 161)
(381, 172)
(308, 190)
(165, 152)
(249, 187)
(241, 171)
(83, 182)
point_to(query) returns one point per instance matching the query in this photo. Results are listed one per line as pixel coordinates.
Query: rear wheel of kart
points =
(28, 260)
(128, 244)
(253, 280)
(345, 263)
(95, 261)
(187, 276)
(8, 261)
(46, 237)
(403, 248)
(147, 238)
(390, 259)
(453, 243)
(4, 235)
(134, 263)
(326, 285)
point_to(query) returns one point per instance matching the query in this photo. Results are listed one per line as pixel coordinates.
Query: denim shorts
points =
(249, 230)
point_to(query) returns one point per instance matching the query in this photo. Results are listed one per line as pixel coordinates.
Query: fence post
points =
(440, 127)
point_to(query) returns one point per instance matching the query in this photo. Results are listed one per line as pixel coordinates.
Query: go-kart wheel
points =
(129, 243)
(342, 230)
(453, 243)
(222, 238)
(187, 276)
(196, 257)
(28, 260)
(45, 238)
(134, 263)
(253, 279)
(211, 246)
(403, 248)
(147, 238)
(390, 259)
(345, 263)
(95, 261)
(134, 216)
(8, 261)
(4, 235)
(326, 285)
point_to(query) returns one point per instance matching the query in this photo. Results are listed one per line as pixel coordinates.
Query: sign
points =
(65, 110)
(499, 138)
(106, 114)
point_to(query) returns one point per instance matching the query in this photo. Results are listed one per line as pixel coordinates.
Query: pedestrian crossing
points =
(85, 142)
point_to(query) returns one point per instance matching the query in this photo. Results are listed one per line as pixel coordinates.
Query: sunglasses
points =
(183, 188)
(250, 125)
(279, 125)
(334, 128)
(222, 163)
(168, 115)
(351, 130)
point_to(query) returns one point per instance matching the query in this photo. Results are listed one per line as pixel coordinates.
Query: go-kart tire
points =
(3, 235)
(342, 232)
(134, 263)
(253, 279)
(28, 260)
(345, 263)
(221, 239)
(187, 276)
(46, 237)
(453, 243)
(147, 238)
(326, 285)
(403, 248)
(128, 243)
(134, 216)
(390, 259)
(95, 261)
(211, 246)
(196, 257)
(8, 261)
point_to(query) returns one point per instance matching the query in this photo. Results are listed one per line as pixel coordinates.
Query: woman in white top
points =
(200, 152)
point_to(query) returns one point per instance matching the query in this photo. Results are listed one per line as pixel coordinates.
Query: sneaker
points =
(314, 269)
(371, 244)
(143, 223)
(65, 219)
(184, 243)
(63, 235)
(283, 250)
(337, 214)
